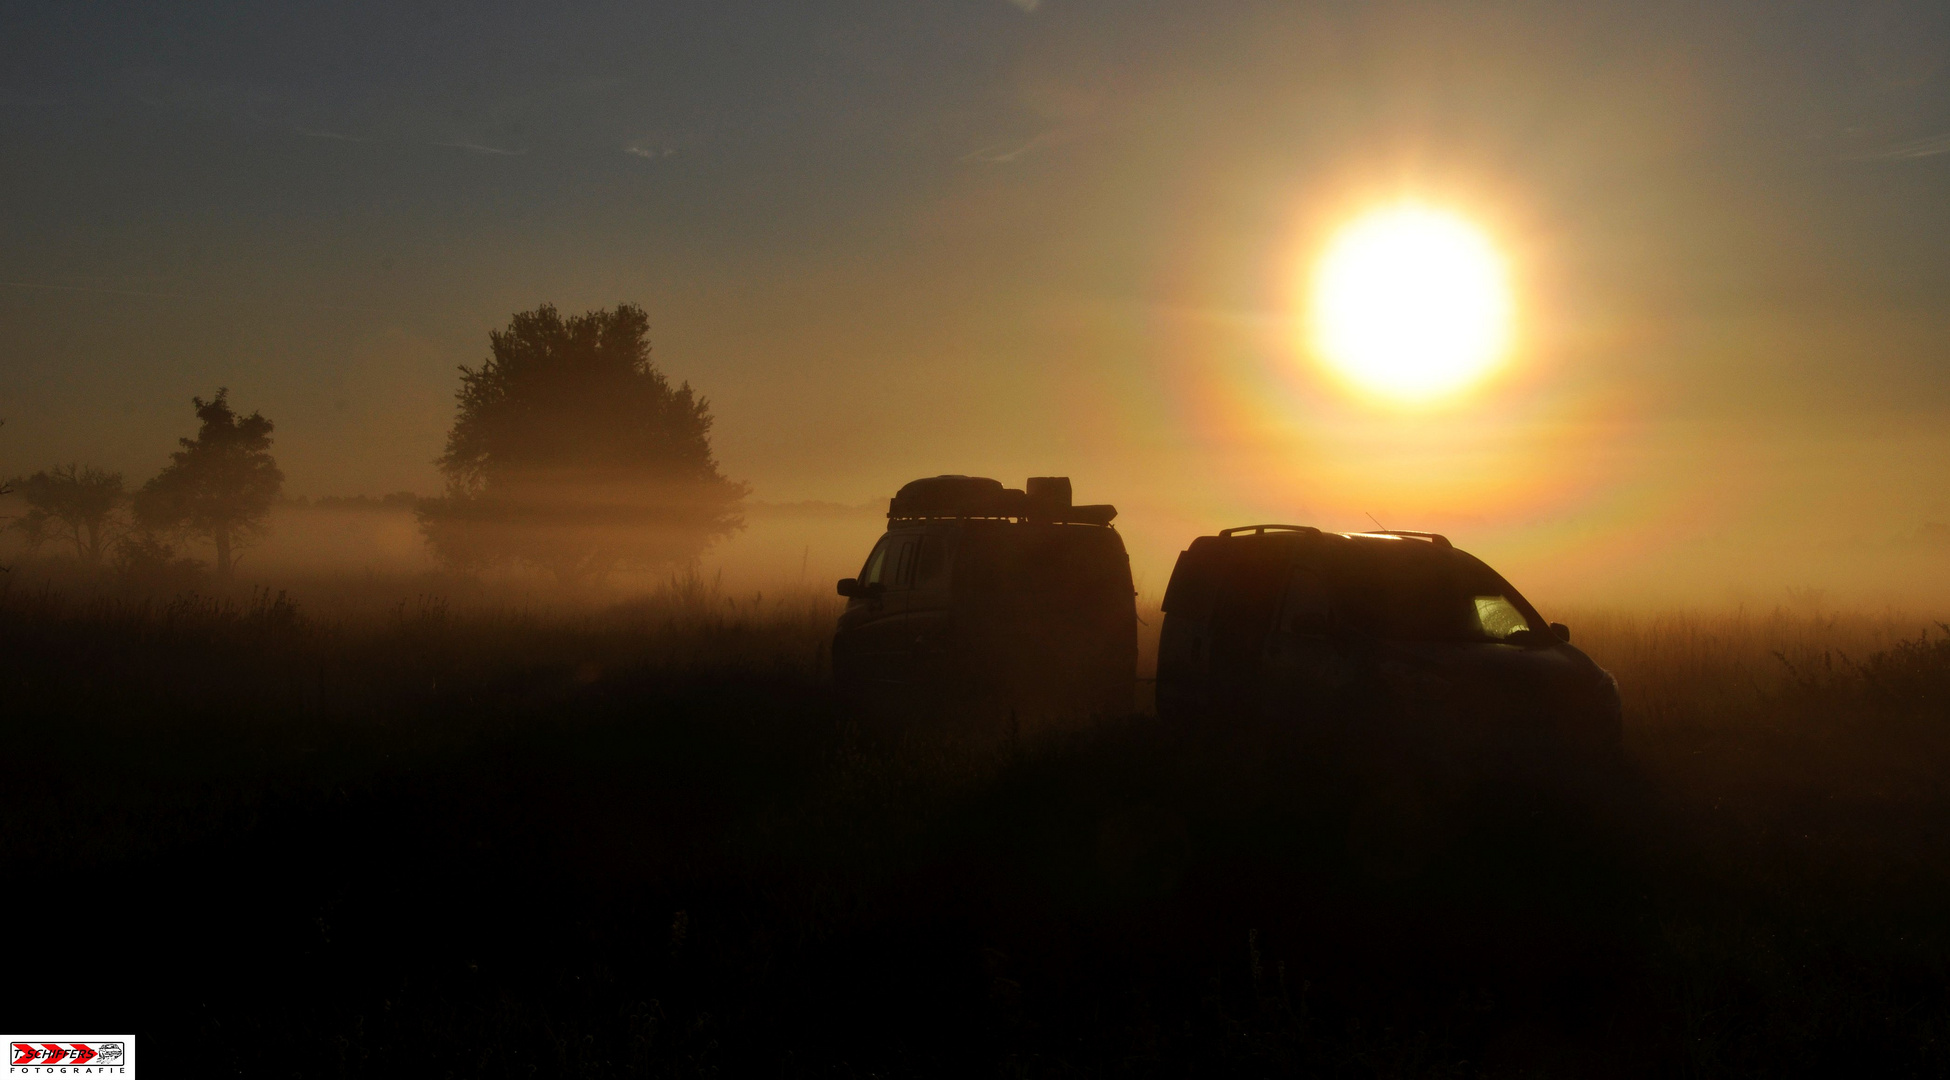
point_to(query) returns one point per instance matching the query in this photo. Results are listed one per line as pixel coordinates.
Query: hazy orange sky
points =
(896, 239)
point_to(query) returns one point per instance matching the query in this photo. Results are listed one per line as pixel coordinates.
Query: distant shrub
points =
(147, 563)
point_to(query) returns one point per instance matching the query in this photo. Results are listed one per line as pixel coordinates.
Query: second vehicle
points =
(1291, 622)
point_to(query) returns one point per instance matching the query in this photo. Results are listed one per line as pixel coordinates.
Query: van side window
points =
(892, 563)
(876, 563)
(900, 574)
(928, 564)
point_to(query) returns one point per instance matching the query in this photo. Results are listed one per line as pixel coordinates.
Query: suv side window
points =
(1194, 584)
(1304, 610)
(1253, 580)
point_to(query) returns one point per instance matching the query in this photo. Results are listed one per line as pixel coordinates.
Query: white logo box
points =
(70, 1055)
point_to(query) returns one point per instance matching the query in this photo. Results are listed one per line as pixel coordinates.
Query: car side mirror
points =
(853, 589)
(1562, 631)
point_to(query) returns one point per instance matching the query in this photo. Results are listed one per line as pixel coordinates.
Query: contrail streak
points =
(172, 296)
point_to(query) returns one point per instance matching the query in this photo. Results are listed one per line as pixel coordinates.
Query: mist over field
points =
(1807, 566)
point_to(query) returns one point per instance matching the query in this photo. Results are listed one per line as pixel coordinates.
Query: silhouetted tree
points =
(573, 453)
(77, 504)
(220, 485)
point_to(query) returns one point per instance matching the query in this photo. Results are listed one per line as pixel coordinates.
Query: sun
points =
(1410, 304)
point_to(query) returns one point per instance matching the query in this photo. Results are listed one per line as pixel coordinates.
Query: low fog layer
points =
(787, 547)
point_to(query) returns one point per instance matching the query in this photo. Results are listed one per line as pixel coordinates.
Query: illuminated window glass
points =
(1498, 617)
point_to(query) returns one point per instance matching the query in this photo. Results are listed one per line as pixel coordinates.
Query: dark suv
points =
(1290, 621)
(980, 591)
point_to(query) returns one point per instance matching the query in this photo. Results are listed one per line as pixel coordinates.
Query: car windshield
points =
(1411, 591)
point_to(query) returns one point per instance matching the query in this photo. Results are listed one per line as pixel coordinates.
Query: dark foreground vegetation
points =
(646, 840)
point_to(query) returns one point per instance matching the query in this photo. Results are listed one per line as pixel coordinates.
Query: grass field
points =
(472, 837)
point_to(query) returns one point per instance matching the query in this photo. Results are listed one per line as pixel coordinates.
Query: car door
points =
(879, 637)
(928, 623)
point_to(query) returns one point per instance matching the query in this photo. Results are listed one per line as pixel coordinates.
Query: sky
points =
(1012, 238)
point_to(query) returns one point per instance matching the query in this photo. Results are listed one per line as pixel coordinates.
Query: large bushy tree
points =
(74, 503)
(571, 452)
(220, 485)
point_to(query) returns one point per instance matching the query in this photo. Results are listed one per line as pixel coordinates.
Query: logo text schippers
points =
(66, 1056)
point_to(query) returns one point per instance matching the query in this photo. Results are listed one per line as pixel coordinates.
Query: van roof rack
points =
(1437, 539)
(1259, 530)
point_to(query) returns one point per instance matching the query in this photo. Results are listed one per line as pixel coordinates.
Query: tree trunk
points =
(222, 537)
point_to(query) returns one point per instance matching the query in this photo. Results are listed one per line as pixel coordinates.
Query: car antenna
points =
(1377, 522)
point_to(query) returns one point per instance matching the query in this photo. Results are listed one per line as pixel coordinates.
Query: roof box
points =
(1043, 499)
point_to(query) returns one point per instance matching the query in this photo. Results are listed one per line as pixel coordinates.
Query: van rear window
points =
(1050, 561)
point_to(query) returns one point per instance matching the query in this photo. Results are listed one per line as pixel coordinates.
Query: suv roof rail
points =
(1437, 539)
(1258, 530)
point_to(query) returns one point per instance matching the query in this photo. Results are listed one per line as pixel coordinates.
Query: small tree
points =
(573, 453)
(74, 503)
(220, 485)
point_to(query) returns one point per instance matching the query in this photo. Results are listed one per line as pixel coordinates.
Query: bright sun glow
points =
(1411, 304)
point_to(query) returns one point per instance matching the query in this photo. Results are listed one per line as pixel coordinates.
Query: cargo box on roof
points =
(1043, 499)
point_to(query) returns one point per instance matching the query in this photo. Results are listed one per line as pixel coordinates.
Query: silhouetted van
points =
(1289, 621)
(980, 591)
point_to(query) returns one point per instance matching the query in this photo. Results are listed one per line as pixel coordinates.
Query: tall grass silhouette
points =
(478, 836)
